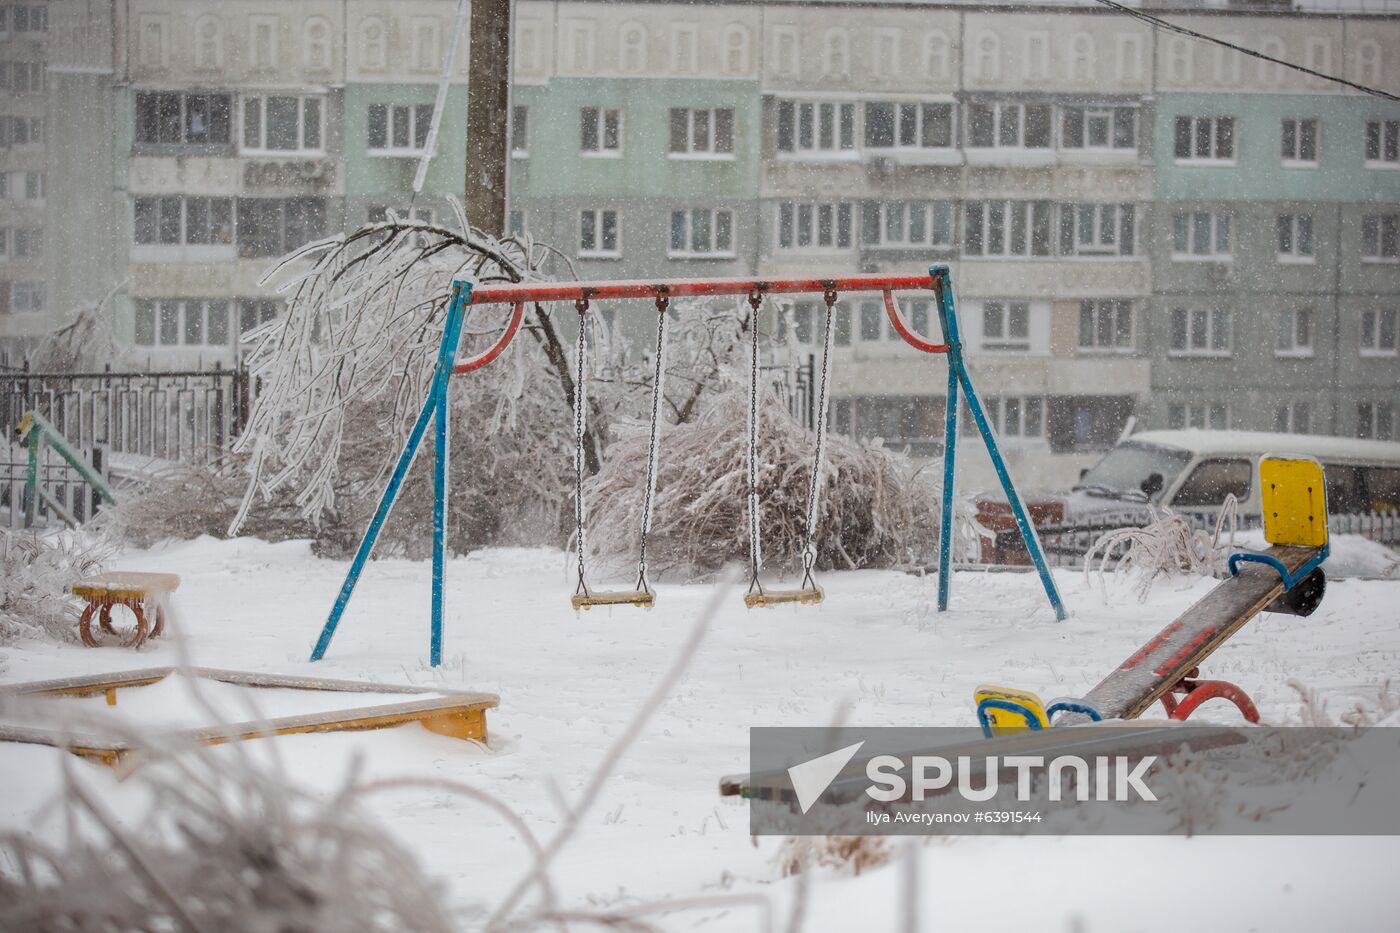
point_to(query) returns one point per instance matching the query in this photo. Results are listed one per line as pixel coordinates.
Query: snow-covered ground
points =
(875, 650)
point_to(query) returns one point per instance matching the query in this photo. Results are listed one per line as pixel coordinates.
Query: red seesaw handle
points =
(911, 338)
(499, 347)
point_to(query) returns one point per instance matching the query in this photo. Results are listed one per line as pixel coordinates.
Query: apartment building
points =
(24, 30)
(1139, 227)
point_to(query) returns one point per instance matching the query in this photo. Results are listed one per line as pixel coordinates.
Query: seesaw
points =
(1286, 578)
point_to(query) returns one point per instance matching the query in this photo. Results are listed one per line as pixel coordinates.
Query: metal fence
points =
(1066, 545)
(185, 416)
(65, 496)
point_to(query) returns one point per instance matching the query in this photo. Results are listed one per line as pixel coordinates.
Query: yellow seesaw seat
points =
(1293, 495)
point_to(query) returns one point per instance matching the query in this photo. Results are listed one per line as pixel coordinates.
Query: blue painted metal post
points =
(948, 317)
(447, 351)
(950, 449)
(442, 383)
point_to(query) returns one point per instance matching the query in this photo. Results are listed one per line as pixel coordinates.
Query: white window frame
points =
(602, 117)
(1295, 158)
(1108, 113)
(1293, 417)
(393, 113)
(1001, 112)
(902, 217)
(709, 149)
(261, 149)
(1387, 144)
(810, 216)
(818, 116)
(1376, 420)
(1004, 310)
(1291, 233)
(917, 112)
(1094, 312)
(184, 248)
(1009, 210)
(1384, 231)
(1206, 323)
(1027, 412)
(1294, 336)
(1211, 126)
(1379, 325)
(718, 218)
(32, 239)
(28, 288)
(1199, 415)
(1219, 221)
(182, 308)
(599, 222)
(1106, 225)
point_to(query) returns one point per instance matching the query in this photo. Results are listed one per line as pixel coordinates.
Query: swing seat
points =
(614, 598)
(805, 597)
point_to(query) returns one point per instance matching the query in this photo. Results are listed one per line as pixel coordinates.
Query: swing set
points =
(583, 294)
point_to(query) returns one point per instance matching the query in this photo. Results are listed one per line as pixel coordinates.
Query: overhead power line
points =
(1193, 34)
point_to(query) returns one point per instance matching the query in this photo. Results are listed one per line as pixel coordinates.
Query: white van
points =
(1195, 470)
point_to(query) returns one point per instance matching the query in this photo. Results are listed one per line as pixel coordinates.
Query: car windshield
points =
(1125, 468)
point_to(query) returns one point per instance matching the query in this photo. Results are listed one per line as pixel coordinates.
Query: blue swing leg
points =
(435, 402)
(957, 371)
(945, 516)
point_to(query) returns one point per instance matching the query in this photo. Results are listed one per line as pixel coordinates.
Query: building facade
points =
(1141, 226)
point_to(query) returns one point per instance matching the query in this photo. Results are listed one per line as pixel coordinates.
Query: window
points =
(273, 226)
(29, 18)
(1293, 418)
(902, 224)
(702, 133)
(1008, 126)
(1012, 417)
(1205, 139)
(810, 128)
(282, 124)
(1200, 332)
(24, 297)
(1006, 325)
(802, 323)
(701, 232)
(1378, 332)
(600, 131)
(1098, 229)
(1383, 144)
(1380, 238)
(1098, 128)
(875, 325)
(189, 322)
(1295, 238)
(22, 77)
(806, 226)
(1294, 332)
(908, 126)
(599, 234)
(1212, 480)
(1106, 326)
(22, 186)
(254, 312)
(399, 129)
(520, 131)
(175, 220)
(1006, 228)
(21, 242)
(171, 119)
(1201, 235)
(21, 131)
(1209, 416)
(1373, 419)
(1299, 142)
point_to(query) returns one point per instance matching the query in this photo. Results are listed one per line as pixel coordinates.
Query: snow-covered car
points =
(1196, 470)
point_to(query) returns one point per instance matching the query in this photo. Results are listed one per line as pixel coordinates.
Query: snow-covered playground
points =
(660, 844)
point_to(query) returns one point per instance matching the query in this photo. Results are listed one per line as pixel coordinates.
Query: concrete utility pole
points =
(488, 115)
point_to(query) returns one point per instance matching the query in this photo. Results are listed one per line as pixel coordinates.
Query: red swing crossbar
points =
(520, 295)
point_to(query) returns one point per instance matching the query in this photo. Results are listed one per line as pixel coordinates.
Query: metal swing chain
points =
(580, 401)
(809, 553)
(662, 303)
(755, 552)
